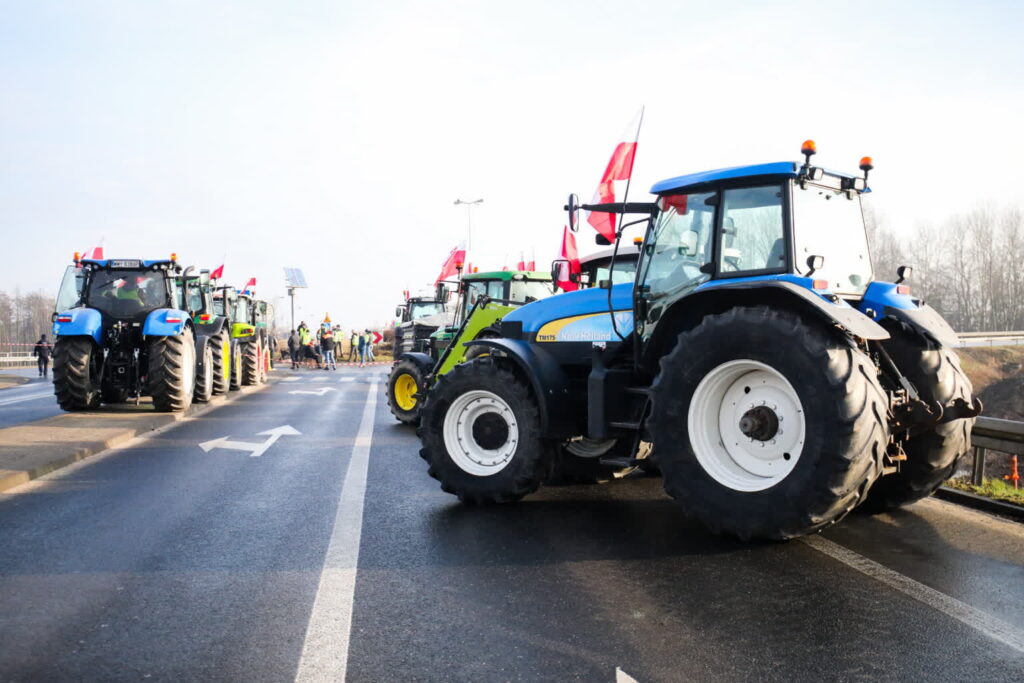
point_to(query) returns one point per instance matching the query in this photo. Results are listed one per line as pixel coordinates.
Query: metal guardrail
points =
(975, 339)
(993, 433)
(20, 359)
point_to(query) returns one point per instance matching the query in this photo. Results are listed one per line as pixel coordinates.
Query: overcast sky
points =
(335, 136)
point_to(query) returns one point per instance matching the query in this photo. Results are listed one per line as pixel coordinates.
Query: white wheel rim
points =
(462, 445)
(762, 456)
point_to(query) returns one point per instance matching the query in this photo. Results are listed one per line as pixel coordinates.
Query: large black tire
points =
(497, 396)
(237, 354)
(76, 373)
(932, 457)
(838, 429)
(252, 356)
(407, 376)
(204, 376)
(580, 462)
(221, 345)
(172, 371)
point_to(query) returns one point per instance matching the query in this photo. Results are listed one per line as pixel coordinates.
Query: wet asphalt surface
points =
(163, 562)
(27, 402)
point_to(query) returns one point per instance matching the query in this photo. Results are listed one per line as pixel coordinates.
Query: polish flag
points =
(95, 253)
(456, 259)
(250, 285)
(620, 167)
(217, 273)
(521, 264)
(570, 254)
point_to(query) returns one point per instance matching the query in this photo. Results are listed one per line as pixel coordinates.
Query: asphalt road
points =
(27, 402)
(162, 561)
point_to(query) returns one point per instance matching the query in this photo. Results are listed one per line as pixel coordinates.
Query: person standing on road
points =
(327, 347)
(42, 351)
(353, 346)
(294, 345)
(369, 346)
(361, 341)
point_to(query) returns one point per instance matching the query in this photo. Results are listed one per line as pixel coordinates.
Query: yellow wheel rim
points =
(405, 391)
(225, 356)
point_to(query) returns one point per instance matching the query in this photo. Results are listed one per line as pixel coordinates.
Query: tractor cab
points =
(120, 289)
(516, 287)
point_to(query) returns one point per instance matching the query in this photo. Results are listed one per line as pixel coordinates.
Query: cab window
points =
(752, 230)
(679, 244)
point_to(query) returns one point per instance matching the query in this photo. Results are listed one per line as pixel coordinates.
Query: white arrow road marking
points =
(255, 449)
(623, 677)
(325, 649)
(316, 392)
(994, 628)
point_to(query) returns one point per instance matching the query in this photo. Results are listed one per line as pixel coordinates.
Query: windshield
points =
(625, 270)
(680, 244)
(218, 305)
(826, 223)
(532, 289)
(240, 306)
(194, 300)
(70, 288)
(424, 309)
(127, 293)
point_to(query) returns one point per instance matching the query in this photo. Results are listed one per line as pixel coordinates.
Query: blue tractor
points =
(121, 332)
(780, 383)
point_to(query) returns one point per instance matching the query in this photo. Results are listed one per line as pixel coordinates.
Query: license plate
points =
(125, 263)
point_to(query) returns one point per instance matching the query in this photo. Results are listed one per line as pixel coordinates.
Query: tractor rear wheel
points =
(406, 381)
(480, 430)
(238, 349)
(76, 373)
(579, 462)
(204, 376)
(767, 425)
(221, 362)
(252, 355)
(172, 371)
(932, 456)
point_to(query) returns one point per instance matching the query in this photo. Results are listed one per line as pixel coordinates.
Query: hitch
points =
(961, 409)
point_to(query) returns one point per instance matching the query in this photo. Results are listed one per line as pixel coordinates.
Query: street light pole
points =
(469, 219)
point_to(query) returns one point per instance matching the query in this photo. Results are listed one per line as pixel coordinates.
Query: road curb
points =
(162, 421)
(972, 500)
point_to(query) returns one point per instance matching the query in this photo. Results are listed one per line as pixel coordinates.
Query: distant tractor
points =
(780, 384)
(122, 331)
(213, 363)
(247, 341)
(418, 318)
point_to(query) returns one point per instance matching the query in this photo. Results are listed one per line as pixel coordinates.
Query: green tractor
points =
(484, 299)
(781, 384)
(247, 345)
(213, 363)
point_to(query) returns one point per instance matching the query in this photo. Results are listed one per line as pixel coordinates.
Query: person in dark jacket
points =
(294, 347)
(42, 353)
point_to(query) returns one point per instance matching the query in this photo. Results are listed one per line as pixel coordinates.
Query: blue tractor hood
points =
(585, 302)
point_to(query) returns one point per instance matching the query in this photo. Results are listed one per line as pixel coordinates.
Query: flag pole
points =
(618, 234)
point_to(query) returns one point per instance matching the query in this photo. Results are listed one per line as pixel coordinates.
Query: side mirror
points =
(903, 273)
(398, 311)
(560, 270)
(204, 277)
(601, 240)
(573, 208)
(814, 263)
(54, 316)
(441, 293)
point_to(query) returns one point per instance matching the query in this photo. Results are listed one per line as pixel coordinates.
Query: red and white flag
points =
(250, 285)
(217, 273)
(620, 167)
(521, 264)
(570, 254)
(95, 253)
(456, 259)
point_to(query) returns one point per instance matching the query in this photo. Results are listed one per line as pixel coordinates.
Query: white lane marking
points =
(315, 392)
(325, 650)
(255, 449)
(289, 379)
(991, 626)
(29, 397)
(319, 379)
(623, 677)
(347, 379)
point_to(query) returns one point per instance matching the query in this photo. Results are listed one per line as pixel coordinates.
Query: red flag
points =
(453, 263)
(95, 253)
(521, 264)
(250, 283)
(620, 167)
(218, 272)
(570, 254)
(531, 265)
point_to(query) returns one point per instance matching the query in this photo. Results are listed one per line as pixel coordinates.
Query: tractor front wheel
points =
(767, 425)
(252, 356)
(76, 373)
(480, 430)
(172, 371)
(406, 381)
(204, 376)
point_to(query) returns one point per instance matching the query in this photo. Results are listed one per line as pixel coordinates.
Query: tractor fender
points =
(547, 379)
(165, 322)
(423, 361)
(835, 311)
(211, 328)
(85, 322)
(883, 300)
